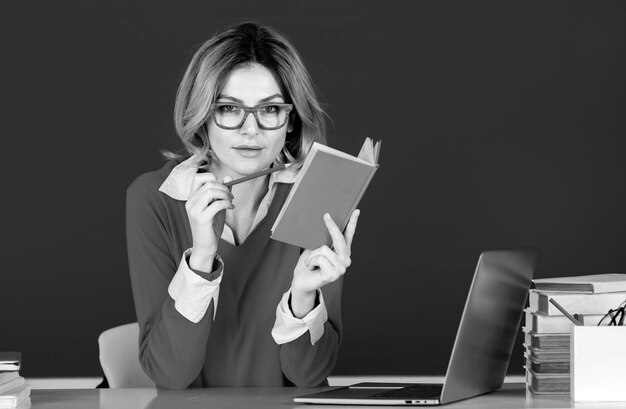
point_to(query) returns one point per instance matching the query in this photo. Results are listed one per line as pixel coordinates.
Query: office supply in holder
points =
(483, 344)
(330, 181)
(615, 316)
(555, 324)
(598, 363)
(564, 311)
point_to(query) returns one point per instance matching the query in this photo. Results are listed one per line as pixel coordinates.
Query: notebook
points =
(330, 181)
(483, 345)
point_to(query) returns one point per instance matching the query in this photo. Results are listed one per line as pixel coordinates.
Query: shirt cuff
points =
(192, 292)
(288, 328)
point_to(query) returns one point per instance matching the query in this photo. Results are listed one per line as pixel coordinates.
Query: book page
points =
(336, 152)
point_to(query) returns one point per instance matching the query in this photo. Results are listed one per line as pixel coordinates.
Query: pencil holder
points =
(598, 363)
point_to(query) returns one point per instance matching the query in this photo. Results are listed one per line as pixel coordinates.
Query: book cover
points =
(330, 181)
(594, 283)
(574, 303)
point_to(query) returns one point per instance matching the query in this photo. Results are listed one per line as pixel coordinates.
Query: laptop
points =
(483, 344)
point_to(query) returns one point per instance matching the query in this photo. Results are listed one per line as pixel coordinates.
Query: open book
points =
(330, 181)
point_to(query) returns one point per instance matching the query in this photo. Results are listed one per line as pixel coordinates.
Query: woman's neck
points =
(248, 195)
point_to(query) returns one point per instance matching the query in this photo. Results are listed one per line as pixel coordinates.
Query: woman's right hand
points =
(206, 210)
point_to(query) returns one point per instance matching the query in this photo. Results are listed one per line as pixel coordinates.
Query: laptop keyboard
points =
(412, 392)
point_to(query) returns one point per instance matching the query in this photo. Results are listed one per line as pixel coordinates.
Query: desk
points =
(511, 396)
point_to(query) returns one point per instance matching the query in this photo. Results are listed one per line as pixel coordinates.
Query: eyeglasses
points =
(231, 115)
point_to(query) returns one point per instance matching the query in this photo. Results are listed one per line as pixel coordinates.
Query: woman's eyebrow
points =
(241, 102)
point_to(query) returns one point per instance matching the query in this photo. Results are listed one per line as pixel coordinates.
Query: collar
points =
(178, 183)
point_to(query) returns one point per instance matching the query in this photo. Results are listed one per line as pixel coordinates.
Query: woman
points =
(218, 302)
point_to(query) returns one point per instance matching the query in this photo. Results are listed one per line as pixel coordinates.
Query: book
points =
(574, 303)
(330, 181)
(14, 397)
(10, 360)
(546, 355)
(555, 383)
(548, 367)
(555, 324)
(12, 384)
(591, 284)
(546, 341)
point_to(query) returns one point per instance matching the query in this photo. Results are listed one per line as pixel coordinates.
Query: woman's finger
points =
(350, 229)
(200, 179)
(208, 192)
(340, 263)
(339, 243)
(327, 270)
(215, 207)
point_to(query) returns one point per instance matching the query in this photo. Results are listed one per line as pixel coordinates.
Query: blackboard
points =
(502, 124)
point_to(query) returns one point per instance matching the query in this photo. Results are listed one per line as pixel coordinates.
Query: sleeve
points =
(309, 346)
(193, 291)
(171, 347)
(287, 327)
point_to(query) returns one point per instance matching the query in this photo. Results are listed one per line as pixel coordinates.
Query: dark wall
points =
(503, 125)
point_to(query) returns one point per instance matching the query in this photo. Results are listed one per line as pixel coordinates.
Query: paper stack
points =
(14, 392)
(547, 330)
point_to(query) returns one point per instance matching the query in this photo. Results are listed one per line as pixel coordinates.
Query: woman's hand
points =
(208, 200)
(316, 268)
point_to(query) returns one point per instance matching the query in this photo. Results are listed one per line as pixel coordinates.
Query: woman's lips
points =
(248, 151)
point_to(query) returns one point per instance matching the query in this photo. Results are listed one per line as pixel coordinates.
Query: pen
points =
(256, 175)
(557, 305)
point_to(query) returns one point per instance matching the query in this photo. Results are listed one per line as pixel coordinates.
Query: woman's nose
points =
(250, 127)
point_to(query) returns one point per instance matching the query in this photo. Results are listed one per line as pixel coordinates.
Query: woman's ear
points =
(292, 119)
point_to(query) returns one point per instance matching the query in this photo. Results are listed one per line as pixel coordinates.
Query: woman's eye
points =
(270, 109)
(228, 108)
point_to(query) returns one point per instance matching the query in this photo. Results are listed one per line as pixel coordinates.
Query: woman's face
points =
(248, 149)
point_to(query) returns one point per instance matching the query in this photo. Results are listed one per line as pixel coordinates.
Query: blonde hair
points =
(208, 71)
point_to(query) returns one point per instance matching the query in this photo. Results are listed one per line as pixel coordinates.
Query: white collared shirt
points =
(192, 293)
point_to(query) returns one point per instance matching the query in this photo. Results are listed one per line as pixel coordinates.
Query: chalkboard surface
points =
(502, 124)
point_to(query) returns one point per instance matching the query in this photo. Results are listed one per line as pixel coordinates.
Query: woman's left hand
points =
(316, 268)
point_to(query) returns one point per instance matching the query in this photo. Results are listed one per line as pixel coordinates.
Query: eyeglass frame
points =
(254, 111)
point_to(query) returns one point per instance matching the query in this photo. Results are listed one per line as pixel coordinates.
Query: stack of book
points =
(547, 330)
(14, 392)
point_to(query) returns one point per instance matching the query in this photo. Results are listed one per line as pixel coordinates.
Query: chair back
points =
(119, 357)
